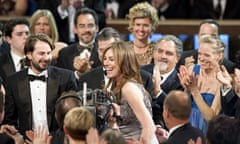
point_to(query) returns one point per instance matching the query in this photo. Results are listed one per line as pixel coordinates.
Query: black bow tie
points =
(33, 77)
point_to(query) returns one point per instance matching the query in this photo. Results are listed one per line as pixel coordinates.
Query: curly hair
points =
(143, 10)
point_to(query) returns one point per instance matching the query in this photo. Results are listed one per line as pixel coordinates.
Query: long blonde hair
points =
(45, 13)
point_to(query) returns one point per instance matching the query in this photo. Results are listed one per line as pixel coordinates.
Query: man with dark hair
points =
(223, 130)
(176, 113)
(211, 27)
(64, 103)
(16, 32)
(82, 55)
(32, 92)
(64, 11)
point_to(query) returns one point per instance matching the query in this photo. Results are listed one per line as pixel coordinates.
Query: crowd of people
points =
(155, 91)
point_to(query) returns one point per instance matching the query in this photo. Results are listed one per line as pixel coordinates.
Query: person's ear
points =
(65, 130)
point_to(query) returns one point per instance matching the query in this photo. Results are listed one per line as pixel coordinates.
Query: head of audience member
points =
(38, 52)
(86, 25)
(105, 38)
(176, 108)
(42, 21)
(121, 65)
(143, 20)
(211, 49)
(64, 103)
(16, 32)
(223, 130)
(210, 27)
(77, 122)
(112, 136)
(167, 53)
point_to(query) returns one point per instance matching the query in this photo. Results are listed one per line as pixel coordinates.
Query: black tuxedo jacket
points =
(18, 106)
(171, 83)
(230, 66)
(6, 66)
(4, 48)
(67, 55)
(183, 134)
(231, 104)
(63, 24)
(5, 139)
(95, 79)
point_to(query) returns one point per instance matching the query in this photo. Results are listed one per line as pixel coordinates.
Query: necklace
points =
(137, 46)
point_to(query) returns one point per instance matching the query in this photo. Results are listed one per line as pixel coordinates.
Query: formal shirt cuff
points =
(224, 92)
(63, 13)
(159, 93)
(76, 75)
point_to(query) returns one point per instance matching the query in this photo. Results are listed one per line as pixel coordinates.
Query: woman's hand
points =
(224, 77)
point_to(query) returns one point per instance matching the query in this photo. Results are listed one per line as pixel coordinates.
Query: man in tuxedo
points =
(166, 55)
(207, 26)
(32, 92)
(82, 55)
(64, 11)
(176, 113)
(96, 78)
(16, 32)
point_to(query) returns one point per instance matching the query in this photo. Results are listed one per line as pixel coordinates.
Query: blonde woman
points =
(42, 21)
(143, 21)
(205, 86)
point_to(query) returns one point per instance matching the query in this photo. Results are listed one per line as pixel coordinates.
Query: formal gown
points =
(196, 119)
(130, 126)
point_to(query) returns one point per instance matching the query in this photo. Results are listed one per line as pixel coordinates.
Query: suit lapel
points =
(24, 92)
(52, 91)
(8, 66)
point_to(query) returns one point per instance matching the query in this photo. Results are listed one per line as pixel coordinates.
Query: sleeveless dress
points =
(196, 118)
(130, 126)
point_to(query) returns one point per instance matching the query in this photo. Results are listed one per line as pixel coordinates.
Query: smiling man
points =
(85, 27)
(32, 92)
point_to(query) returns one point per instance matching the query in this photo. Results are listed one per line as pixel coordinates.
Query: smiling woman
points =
(132, 107)
(143, 22)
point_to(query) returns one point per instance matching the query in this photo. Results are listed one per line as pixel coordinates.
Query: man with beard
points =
(166, 55)
(81, 56)
(32, 93)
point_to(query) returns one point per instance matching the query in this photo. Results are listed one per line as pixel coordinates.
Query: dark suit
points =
(6, 66)
(183, 134)
(18, 106)
(63, 24)
(230, 66)
(5, 139)
(67, 55)
(231, 104)
(4, 48)
(178, 9)
(171, 83)
(203, 9)
(95, 79)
